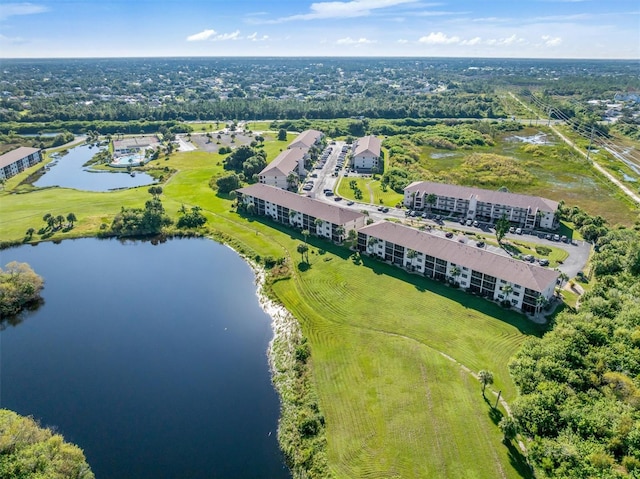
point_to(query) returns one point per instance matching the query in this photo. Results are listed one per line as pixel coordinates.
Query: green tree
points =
(226, 184)
(60, 220)
(282, 134)
(340, 233)
(20, 286)
(509, 428)
(303, 249)
(71, 218)
(486, 378)
(502, 227)
(293, 180)
(29, 451)
(30, 232)
(507, 289)
(431, 200)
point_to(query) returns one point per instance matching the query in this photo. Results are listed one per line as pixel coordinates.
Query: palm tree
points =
(485, 377)
(502, 226)
(563, 278)
(340, 233)
(507, 289)
(305, 234)
(30, 232)
(59, 219)
(541, 302)
(292, 214)
(411, 255)
(371, 242)
(292, 180)
(318, 223)
(71, 218)
(454, 272)
(431, 200)
(303, 249)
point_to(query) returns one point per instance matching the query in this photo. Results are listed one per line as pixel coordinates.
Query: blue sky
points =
(460, 28)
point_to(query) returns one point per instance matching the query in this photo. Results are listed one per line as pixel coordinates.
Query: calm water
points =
(151, 358)
(68, 172)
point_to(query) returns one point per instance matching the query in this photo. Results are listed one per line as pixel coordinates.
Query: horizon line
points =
(316, 56)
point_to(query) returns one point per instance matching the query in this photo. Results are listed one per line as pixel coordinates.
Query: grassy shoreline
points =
(376, 372)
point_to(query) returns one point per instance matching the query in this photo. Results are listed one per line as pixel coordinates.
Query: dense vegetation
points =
(141, 221)
(580, 383)
(28, 451)
(20, 288)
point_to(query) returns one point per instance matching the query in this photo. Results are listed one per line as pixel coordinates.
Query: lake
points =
(68, 172)
(150, 358)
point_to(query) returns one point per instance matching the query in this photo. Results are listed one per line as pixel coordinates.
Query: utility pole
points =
(590, 142)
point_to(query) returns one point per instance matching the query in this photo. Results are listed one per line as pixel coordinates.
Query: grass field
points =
(395, 405)
(371, 191)
(558, 173)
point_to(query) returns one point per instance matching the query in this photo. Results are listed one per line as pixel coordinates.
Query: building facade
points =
(366, 154)
(290, 161)
(18, 160)
(529, 212)
(322, 219)
(525, 286)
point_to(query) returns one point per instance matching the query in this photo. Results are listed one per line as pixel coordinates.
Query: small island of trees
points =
(20, 288)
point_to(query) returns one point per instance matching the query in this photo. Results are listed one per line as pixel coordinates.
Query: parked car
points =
(547, 237)
(564, 239)
(518, 231)
(476, 224)
(449, 234)
(337, 198)
(328, 193)
(424, 216)
(512, 230)
(469, 223)
(461, 221)
(350, 202)
(544, 262)
(556, 237)
(480, 244)
(413, 213)
(385, 210)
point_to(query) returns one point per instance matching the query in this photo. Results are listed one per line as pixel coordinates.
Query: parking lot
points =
(332, 165)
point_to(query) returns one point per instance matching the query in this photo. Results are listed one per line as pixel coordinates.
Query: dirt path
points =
(371, 197)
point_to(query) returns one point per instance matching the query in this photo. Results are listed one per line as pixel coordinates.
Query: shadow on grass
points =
(303, 266)
(518, 461)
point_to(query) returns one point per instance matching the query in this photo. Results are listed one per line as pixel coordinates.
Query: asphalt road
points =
(578, 251)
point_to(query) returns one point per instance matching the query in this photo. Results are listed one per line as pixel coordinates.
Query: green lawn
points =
(395, 405)
(369, 186)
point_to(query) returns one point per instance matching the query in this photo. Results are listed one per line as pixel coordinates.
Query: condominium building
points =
(15, 161)
(488, 274)
(322, 219)
(529, 212)
(290, 161)
(366, 153)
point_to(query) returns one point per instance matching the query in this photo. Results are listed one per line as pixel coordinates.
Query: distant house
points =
(277, 172)
(497, 277)
(366, 153)
(529, 212)
(18, 160)
(320, 218)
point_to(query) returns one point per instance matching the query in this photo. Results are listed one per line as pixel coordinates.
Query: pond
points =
(150, 358)
(67, 172)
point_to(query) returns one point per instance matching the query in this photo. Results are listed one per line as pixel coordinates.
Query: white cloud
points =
(472, 41)
(255, 38)
(203, 35)
(402, 41)
(228, 36)
(12, 9)
(351, 41)
(550, 41)
(354, 8)
(438, 39)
